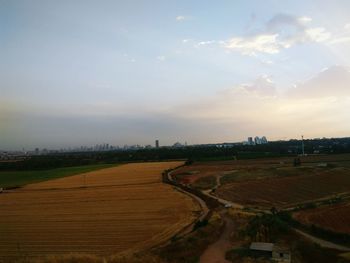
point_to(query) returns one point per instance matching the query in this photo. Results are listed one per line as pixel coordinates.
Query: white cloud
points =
(319, 104)
(347, 26)
(180, 18)
(317, 34)
(280, 32)
(304, 19)
(340, 40)
(161, 58)
(207, 43)
(259, 43)
(330, 82)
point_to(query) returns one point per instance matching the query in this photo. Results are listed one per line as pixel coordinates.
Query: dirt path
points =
(220, 200)
(215, 253)
(321, 242)
(203, 205)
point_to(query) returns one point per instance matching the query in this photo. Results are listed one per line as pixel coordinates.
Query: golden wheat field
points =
(101, 212)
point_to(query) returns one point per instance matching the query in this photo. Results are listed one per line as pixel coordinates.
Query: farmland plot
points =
(287, 191)
(101, 212)
(335, 218)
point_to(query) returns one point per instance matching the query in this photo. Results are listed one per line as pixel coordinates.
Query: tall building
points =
(264, 140)
(157, 143)
(257, 140)
(250, 141)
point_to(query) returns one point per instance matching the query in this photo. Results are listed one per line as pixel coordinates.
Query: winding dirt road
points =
(215, 253)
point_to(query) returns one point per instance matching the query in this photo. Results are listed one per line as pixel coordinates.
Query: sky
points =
(128, 72)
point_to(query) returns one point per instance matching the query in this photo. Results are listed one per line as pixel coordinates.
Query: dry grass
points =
(121, 208)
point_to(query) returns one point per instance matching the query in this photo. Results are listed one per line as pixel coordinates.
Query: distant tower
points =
(157, 144)
(257, 140)
(250, 141)
(302, 145)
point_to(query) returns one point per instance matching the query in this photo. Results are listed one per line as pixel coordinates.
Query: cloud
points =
(181, 18)
(161, 58)
(304, 19)
(252, 45)
(343, 37)
(319, 104)
(208, 43)
(262, 86)
(317, 34)
(340, 40)
(281, 32)
(330, 82)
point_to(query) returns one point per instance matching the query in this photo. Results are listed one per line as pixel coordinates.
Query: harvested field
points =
(189, 174)
(255, 167)
(101, 212)
(287, 191)
(335, 217)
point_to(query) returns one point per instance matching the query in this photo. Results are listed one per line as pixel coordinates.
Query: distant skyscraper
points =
(257, 140)
(250, 141)
(157, 143)
(263, 140)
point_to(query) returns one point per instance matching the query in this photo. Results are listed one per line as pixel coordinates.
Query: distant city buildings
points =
(250, 141)
(178, 145)
(257, 140)
(157, 144)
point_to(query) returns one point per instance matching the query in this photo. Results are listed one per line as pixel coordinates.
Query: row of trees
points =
(192, 153)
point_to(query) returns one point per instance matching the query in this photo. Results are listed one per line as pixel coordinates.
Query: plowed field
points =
(101, 212)
(335, 217)
(287, 191)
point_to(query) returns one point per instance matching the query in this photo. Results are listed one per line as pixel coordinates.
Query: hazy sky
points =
(125, 72)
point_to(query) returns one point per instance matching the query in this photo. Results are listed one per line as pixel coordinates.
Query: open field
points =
(102, 212)
(335, 218)
(272, 181)
(289, 190)
(189, 174)
(242, 170)
(20, 178)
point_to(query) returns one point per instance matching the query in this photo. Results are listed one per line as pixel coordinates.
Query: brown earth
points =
(287, 191)
(102, 212)
(189, 174)
(335, 217)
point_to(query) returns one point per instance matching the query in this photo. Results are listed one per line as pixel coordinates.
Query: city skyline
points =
(127, 72)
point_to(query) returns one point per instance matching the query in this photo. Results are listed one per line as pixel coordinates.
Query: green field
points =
(10, 179)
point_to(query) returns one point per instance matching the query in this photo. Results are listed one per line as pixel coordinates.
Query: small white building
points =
(278, 253)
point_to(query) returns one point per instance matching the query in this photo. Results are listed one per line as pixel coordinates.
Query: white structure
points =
(250, 141)
(257, 140)
(263, 140)
(277, 253)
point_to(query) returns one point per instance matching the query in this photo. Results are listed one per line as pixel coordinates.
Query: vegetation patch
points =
(190, 248)
(13, 179)
(205, 183)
